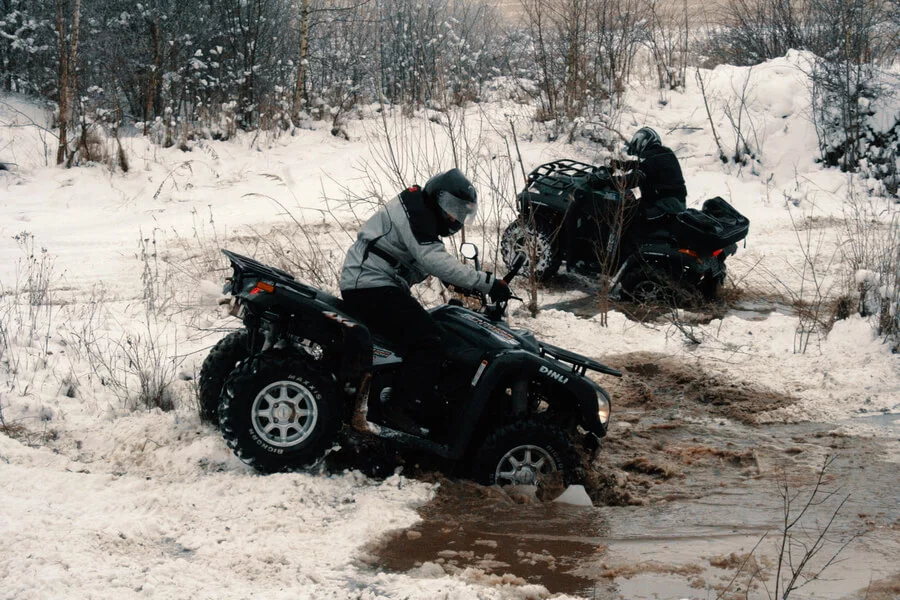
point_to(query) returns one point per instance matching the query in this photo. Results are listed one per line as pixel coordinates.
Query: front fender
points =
(517, 364)
(585, 393)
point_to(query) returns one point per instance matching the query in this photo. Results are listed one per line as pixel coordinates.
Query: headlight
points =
(603, 408)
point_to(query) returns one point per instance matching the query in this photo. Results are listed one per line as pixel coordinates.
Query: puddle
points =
(687, 548)
(889, 422)
(682, 497)
(468, 526)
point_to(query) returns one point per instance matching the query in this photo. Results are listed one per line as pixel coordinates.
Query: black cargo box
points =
(715, 226)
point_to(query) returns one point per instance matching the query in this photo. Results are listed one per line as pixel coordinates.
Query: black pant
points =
(395, 314)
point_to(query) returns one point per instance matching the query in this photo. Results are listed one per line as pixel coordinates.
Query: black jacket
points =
(658, 175)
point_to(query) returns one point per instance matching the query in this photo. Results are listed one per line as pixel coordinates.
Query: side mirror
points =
(470, 251)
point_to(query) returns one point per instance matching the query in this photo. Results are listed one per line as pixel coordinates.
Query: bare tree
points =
(668, 40)
(68, 24)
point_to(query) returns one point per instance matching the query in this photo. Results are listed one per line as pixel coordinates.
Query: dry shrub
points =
(730, 561)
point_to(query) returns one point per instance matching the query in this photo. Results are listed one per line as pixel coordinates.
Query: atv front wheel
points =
(279, 412)
(535, 241)
(220, 361)
(532, 452)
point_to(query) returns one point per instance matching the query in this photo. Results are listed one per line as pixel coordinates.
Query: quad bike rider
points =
(657, 174)
(399, 246)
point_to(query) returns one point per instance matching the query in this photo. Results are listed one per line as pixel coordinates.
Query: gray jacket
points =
(405, 230)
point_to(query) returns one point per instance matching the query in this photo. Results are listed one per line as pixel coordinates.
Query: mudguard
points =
(355, 350)
(513, 364)
(305, 312)
(585, 392)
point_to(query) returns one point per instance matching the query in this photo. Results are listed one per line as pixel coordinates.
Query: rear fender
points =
(344, 344)
(354, 349)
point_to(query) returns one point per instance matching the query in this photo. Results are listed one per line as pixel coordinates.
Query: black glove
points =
(500, 292)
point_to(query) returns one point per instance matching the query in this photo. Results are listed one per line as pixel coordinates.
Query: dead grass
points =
(730, 561)
(13, 430)
(884, 589)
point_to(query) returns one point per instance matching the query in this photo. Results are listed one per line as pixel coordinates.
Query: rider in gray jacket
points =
(396, 248)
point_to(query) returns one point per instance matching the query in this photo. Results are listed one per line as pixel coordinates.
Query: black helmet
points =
(454, 196)
(642, 139)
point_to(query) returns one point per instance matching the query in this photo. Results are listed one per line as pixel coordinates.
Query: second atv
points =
(578, 214)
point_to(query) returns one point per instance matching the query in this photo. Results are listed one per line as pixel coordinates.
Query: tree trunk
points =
(68, 71)
(6, 58)
(300, 99)
(150, 105)
(63, 84)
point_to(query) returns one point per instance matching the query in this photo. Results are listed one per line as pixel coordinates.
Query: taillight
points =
(689, 252)
(718, 252)
(262, 286)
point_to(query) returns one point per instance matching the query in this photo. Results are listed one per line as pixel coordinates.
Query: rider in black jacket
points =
(658, 175)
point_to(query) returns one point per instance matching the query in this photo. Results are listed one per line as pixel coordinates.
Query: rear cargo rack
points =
(565, 174)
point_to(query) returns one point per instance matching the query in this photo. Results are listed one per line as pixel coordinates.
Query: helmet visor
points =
(460, 210)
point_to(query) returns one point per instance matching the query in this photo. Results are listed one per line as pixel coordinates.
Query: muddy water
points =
(687, 505)
(464, 527)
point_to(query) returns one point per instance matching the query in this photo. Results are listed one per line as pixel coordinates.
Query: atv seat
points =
(332, 301)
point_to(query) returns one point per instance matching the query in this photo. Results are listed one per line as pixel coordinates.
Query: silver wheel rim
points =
(284, 413)
(526, 240)
(524, 465)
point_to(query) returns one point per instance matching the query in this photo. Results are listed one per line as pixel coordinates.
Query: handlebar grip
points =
(516, 267)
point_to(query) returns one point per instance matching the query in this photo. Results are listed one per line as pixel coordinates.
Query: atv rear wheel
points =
(532, 452)
(536, 241)
(279, 412)
(644, 288)
(220, 361)
(709, 288)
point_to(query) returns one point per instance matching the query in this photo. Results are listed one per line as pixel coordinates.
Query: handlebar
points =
(495, 311)
(516, 267)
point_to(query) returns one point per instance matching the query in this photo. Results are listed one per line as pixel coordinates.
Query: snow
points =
(102, 500)
(575, 495)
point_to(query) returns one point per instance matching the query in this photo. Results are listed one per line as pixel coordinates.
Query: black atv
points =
(579, 214)
(508, 407)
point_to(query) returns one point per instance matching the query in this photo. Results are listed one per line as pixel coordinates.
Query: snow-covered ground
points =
(99, 499)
